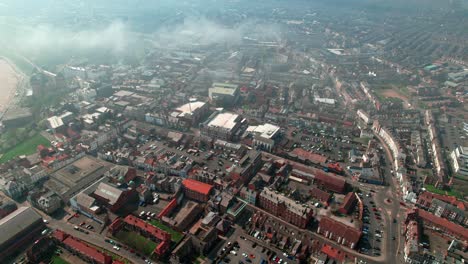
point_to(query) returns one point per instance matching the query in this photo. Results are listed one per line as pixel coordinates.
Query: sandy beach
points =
(8, 83)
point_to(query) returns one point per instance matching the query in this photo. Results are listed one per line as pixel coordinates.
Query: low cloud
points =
(115, 38)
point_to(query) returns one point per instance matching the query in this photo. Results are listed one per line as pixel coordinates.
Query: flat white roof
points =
(223, 90)
(266, 130)
(224, 120)
(188, 108)
(123, 93)
(55, 121)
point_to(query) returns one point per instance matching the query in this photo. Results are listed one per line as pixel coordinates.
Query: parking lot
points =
(214, 161)
(332, 145)
(243, 248)
(85, 223)
(372, 237)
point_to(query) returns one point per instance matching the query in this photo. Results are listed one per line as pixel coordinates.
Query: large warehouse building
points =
(18, 229)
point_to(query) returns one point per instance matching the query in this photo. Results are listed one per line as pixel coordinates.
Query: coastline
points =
(10, 80)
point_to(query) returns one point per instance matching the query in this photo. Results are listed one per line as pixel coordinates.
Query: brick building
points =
(339, 232)
(112, 197)
(349, 203)
(196, 190)
(443, 225)
(285, 208)
(145, 229)
(82, 250)
(330, 182)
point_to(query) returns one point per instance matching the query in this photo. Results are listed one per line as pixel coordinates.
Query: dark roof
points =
(16, 222)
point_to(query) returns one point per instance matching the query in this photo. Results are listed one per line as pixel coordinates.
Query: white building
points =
(460, 160)
(264, 135)
(223, 125)
(224, 93)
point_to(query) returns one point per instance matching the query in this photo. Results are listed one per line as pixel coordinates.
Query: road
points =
(394, 209)
(92, 237)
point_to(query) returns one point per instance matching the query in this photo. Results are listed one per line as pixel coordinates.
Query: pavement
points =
(394, 209)
(359, 256)
(91, 238)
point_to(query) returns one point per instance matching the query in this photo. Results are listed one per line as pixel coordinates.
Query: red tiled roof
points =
(149, 161)
(350, 234)
(81, 247)
(313, 157)
(149, 228)
(60, 235)
(334, 183)
(349, 202)
(197, 186)
(428, 196)
(333, 252)
(439, 221)
(87, 250)
(319, 194)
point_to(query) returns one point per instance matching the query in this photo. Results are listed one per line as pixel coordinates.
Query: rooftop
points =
(293, 206)
(108, 192)
(266, 130)
(450, 226)
(55, 121)
(350, 234)
(197, 186)
(225, 120)
(16, 222)
(189, 108)
(149, 228)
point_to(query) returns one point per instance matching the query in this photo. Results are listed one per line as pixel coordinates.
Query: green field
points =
(58, 260)
(175, 236)
(136, 241)
(26, 147)
(433, 189)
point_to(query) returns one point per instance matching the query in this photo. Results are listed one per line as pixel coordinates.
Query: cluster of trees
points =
(12, 137)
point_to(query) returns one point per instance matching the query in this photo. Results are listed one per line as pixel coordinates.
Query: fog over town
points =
(233, 131)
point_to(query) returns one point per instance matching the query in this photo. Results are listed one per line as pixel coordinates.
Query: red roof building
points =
(425, 200)
(197, 190)
(445, 225)
(339, 232)
(83, 250)
(147, 228)
(349, 203)
(330, 181)
(322, 196)
(304, 155)
(333, 253)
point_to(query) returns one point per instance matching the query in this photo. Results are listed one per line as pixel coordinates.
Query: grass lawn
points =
(175, 236)
(58, 260)
(26, 147)
(433, 189)
(136, 241)
(363, 141)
